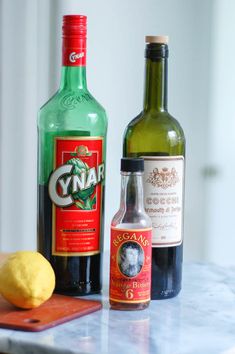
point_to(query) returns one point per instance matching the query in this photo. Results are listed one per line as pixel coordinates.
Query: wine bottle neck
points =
(156, 85)
(132, 192)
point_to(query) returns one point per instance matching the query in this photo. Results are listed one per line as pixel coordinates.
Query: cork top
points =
(157, 39)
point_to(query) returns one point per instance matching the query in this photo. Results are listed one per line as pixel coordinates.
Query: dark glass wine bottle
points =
(72, 128)
(157, 137)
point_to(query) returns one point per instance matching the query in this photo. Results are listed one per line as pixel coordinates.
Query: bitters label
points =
(130, 265)
(75, 190)
(163, 189)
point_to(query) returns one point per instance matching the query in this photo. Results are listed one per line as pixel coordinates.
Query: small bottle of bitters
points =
(131, 243)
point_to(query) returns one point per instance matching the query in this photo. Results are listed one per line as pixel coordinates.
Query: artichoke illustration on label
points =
(74, 182)
(84, 199)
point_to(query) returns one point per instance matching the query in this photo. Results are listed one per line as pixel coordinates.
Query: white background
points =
(201, 96)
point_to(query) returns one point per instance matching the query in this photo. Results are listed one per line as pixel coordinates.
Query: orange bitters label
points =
(130, 265)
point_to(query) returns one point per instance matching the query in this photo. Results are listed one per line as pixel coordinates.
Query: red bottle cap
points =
(74, 40)
(74, 25)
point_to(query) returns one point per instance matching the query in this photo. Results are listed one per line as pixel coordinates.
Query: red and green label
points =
(76, 192)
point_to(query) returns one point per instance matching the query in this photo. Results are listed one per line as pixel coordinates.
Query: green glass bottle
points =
(72, 129)
(157, 137)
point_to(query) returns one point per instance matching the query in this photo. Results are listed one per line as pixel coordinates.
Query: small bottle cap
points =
(157, 39)
(129, 164)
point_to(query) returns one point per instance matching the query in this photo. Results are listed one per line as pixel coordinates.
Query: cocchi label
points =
(76, 192)
(163, 190)
(130, 265)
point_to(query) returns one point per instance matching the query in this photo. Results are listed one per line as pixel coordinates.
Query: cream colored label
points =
(163, 189)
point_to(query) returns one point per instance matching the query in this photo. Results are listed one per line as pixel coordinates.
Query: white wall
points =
(221, 154)
(18, 95)
(116, 32)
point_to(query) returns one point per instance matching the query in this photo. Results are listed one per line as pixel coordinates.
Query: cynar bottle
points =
(72, 129)
(131, 237)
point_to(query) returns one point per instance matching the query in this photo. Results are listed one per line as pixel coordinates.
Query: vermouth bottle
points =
(157, 137)
(72, 129)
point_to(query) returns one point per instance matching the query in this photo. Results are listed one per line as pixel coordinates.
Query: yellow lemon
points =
(26, 279)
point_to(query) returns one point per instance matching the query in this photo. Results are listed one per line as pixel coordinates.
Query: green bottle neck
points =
(73, 78)
(156, 85)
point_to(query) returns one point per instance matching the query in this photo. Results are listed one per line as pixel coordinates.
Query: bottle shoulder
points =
(128, 220)
(154, 133)
(71, 106)
(149, 123)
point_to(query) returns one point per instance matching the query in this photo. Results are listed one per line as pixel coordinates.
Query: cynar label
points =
(75, 188)
(130, 265)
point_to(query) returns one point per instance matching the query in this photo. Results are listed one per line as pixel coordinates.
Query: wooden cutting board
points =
(58, 309)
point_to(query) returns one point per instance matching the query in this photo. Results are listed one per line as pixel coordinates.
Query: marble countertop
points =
(200, 320)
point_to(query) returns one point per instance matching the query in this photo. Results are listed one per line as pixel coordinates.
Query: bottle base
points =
(128, 307)
(77, 291)
(165, 294)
